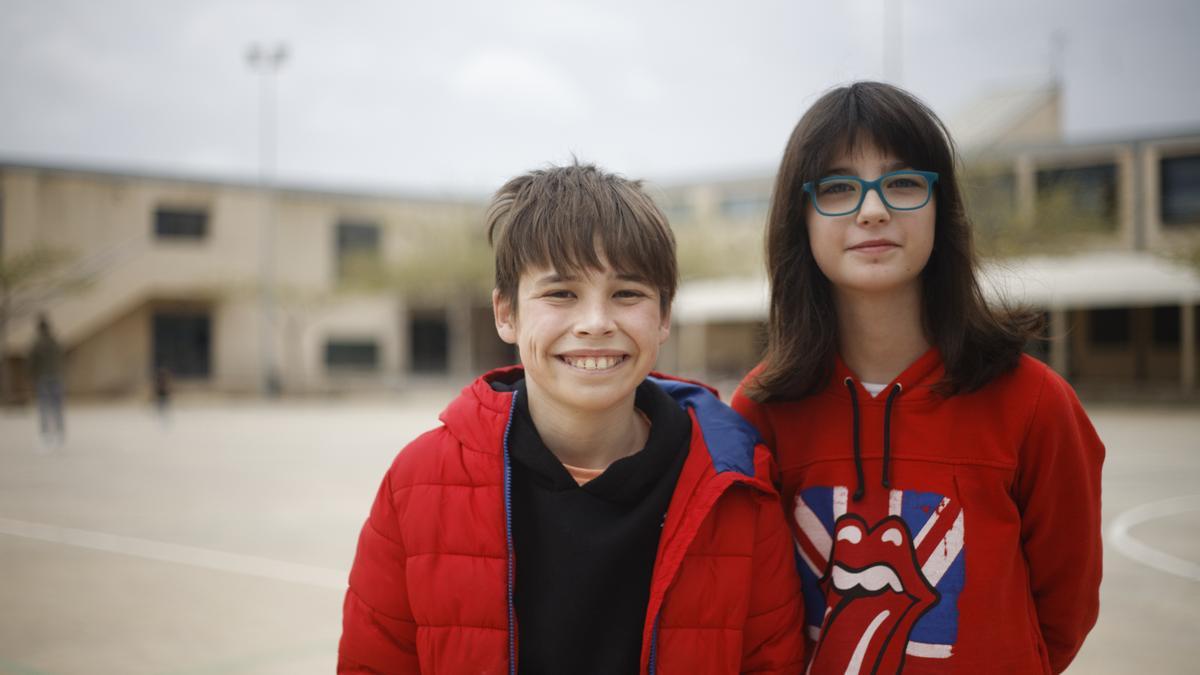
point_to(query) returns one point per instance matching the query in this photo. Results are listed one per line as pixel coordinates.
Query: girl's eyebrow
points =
(894, 165)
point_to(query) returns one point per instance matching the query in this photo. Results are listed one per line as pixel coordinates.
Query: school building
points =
(233, 288)
(1119, 293)
(211, 280)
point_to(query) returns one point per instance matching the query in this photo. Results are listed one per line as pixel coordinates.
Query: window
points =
(1180, 186)
(182, 343)
(744, 206)
(357, 247)
(1109, 327)
(678, 213)
(1166, 326)
(171, 223)
(1088, 192)
(355, 355)
(430, 343)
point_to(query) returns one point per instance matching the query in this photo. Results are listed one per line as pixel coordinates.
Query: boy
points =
(576, 514)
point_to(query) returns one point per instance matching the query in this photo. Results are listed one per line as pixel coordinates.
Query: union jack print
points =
(885, 582)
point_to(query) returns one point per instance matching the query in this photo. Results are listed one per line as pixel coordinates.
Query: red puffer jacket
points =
(431, 590)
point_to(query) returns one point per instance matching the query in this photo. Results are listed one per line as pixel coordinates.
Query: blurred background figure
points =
(46, 369)
(162, 393)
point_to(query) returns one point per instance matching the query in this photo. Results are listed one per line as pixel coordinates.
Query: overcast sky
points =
(458, 95)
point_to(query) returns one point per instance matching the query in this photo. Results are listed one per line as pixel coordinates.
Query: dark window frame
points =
(354, 238)
(1174, 174)
(351, 355)
(1166, 323)
(1085, 177)
(1105, 331)
(177, 223)
(182, 342)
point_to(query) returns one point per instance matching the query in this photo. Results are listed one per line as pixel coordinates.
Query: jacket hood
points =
(729, 439)
(917, 382)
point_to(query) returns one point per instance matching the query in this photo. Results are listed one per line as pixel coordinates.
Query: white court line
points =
(1119, 537)
(176, 553)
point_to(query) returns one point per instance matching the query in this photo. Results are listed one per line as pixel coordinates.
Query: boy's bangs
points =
(590, 241)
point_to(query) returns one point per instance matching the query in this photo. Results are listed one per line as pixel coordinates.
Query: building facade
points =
(235, 289)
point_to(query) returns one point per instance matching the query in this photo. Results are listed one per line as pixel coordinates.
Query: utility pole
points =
(266, 61)
(893, 41)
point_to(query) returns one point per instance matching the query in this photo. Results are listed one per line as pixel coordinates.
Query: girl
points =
(943, 488)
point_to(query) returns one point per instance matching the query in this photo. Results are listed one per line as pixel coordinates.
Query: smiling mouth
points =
(593, 363)
(874, 246)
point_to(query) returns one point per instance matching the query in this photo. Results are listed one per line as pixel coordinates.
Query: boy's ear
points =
(502, 309)
(664, 329)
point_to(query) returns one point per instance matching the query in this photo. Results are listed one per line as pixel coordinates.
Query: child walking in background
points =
(577, 514)
(943, 487)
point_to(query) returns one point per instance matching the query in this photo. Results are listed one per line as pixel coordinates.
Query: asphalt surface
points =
(217, 541)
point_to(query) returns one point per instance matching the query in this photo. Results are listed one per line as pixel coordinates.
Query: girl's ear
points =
(506, 317)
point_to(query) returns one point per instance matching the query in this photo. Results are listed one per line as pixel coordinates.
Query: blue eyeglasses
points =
(905, 190)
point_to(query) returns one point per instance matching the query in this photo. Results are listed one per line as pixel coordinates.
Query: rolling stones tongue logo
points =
(875, 593)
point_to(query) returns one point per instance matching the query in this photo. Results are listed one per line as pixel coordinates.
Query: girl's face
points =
(874, 250)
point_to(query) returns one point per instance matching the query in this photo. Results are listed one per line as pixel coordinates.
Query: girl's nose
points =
(873, 211)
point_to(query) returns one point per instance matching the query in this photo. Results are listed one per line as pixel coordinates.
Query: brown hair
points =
(566, 217)
(977, 342)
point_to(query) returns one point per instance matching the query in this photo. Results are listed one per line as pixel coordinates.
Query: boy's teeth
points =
(593, 362)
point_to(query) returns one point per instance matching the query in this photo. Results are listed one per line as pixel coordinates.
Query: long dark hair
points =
(977, 342)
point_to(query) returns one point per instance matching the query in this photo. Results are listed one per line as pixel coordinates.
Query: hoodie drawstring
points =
(860, 489)
(887, 437)
(858, 467)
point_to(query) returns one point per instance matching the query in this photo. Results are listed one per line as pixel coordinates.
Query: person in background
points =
(46, 370)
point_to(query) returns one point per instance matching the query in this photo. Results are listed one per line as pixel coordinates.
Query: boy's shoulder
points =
(466, 446)
(732, 443)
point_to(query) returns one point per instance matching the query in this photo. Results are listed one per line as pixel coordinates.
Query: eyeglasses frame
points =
(877, 186)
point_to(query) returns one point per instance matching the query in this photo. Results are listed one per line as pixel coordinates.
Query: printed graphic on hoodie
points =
(880, 585)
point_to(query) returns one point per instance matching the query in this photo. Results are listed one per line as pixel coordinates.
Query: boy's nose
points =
(873, 211)
(595, 318)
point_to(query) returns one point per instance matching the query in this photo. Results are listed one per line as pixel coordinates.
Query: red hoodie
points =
(431, 587)
(973, 545)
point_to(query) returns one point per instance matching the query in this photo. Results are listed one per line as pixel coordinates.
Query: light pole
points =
(893, 41)
(267, 61)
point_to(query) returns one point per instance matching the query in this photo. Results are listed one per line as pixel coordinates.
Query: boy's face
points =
(586, 342)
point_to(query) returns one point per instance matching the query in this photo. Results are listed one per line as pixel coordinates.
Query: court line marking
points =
(1124, 542)
(276, 570)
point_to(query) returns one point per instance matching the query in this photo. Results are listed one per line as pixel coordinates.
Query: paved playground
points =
(217, 540)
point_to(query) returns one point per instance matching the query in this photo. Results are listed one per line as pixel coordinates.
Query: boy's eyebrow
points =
(634, 278)
(554, 278)
(557, 278)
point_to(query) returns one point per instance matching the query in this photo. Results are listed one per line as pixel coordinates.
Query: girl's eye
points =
(903, 183)
(835, 188)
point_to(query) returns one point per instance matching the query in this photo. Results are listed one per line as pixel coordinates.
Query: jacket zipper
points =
(654, 644)
(512, 614)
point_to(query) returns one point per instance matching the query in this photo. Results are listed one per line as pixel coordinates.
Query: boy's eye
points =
(559, 293)
(630, 293)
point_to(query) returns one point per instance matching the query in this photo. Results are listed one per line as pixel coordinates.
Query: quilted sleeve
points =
(378, 631)
(1058, 491)
(773, 641)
